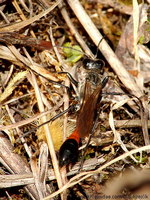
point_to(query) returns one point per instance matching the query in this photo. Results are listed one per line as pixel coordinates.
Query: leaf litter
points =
(34, 89)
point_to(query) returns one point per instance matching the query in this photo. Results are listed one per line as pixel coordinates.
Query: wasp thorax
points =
(94, 78)
(92, 72)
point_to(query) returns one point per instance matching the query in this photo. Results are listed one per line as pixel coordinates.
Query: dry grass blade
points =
(74, 31)
(128, 123)
(117, 136)
(13, 55)
(43, 166)
(14, 163)
(144, 113)
(15, 38)
(110, 56)
(47, 133)
(35, 171)
(12, 84)
(20, 25)
(27, 121)
(36, 62)
(25, 179)
(82, 176)
(16, 180)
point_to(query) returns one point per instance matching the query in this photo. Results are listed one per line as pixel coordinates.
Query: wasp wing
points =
(88, 109)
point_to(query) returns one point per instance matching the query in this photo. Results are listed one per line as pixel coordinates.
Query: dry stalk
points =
(47, 133)
(74, 31)
(15, 164)
(84, 175)
(110, 56)
(22, 24)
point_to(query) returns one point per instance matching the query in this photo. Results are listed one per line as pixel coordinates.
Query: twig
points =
(29, 120)
(82, 176)
(28, 150)
(128, 123)
(27, 178)
(20, 25)
(14, 163)
(9, 75)
(74, 31)
(110, 56)
(48, 135)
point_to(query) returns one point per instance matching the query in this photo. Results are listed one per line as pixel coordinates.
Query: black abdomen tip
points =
(68, 152)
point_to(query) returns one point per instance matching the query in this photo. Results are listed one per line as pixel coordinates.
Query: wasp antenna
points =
(51, 81)
(71, 108)
(98, 47)
(70, 77)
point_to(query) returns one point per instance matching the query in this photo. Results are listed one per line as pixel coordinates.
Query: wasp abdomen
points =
(68, 152)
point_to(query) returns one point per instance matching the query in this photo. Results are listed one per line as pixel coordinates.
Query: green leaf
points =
(141, 39)
(72, 53)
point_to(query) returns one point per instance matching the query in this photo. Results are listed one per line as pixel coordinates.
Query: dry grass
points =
(33, 90)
